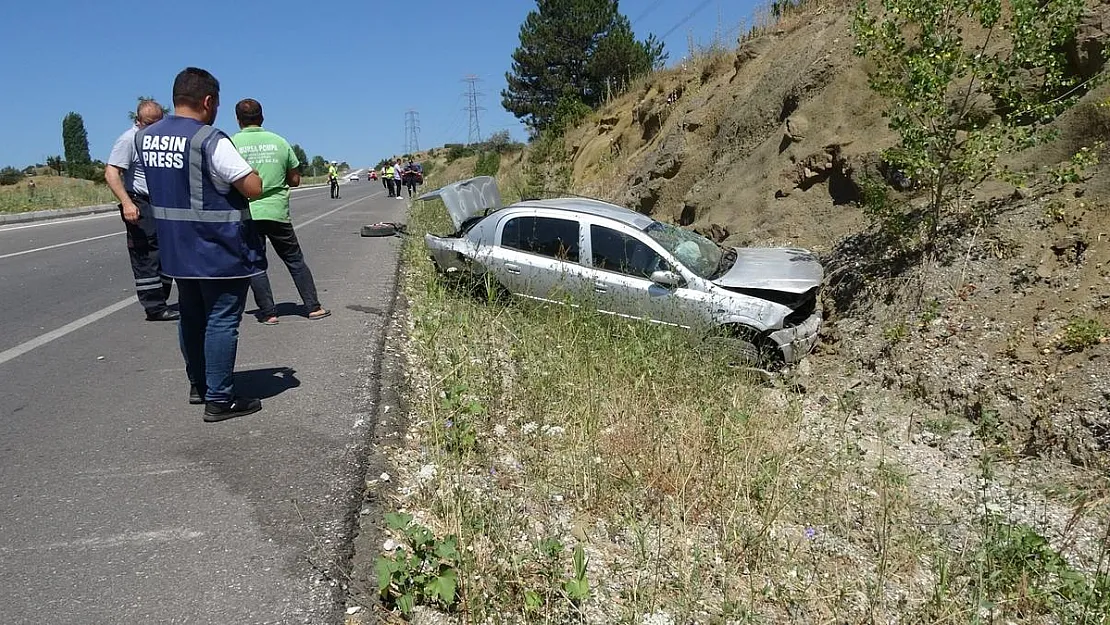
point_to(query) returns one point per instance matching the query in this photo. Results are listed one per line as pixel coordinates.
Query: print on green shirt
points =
(272, 157)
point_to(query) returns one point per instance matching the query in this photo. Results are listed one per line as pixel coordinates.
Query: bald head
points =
(149, 112)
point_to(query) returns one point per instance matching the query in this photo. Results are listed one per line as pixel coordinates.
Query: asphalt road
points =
(117, 503)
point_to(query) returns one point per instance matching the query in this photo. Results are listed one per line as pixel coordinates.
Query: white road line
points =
(336, 210)
(54, 222)
(119, 540)
(55, 246)
(104, 236)
(72, 326)
(113, 213)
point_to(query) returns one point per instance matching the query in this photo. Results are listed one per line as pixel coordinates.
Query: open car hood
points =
(783, 269)
(467, 198)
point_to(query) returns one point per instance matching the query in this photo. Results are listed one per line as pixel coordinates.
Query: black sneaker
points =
(240, 406)
(196, 394)
(165, 314)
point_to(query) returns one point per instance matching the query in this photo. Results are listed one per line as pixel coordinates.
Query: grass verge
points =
(53, 192)
(564, 466)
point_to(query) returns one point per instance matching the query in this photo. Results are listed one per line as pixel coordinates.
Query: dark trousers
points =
(211, 311)
(410, 184)
(284, 241)
(334, 188)
(392, 187)
(142, 246)
(385, 182)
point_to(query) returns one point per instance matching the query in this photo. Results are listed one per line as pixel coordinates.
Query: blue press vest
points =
(202, 233)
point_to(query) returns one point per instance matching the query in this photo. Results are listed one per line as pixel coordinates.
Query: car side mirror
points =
(668, 279)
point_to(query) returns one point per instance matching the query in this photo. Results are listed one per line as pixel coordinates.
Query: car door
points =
(621, 276)
(620, 268)
(538, 256)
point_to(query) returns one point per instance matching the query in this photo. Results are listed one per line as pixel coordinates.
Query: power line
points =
(474, 134)
(412, 131)
(689, 16)
(648, 11)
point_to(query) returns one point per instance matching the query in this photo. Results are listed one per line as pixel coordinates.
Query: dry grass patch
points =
(689, 493)
(572, 467)
(53, 192)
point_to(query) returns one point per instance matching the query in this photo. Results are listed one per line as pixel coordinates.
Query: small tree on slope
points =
(966, 81)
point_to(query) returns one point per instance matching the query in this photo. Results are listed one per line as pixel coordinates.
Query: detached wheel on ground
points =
(379, 230)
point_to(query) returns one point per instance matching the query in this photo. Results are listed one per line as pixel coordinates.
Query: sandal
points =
(272, 320)
(319, 313)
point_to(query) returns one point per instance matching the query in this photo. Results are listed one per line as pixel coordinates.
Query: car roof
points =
(596, 208)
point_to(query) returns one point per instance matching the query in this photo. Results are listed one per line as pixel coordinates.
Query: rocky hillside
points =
(1001, 342)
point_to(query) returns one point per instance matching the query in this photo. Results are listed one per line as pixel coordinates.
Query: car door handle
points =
(601, 287)
(513, 269)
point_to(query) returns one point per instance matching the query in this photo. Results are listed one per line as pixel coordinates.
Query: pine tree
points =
(573, 51)
(75, 140)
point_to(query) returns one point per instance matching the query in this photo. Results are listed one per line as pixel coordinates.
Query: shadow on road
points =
(284, 309)
(265, 383)
(369, 310)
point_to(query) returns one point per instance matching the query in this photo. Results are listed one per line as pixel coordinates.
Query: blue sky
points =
(335, 77)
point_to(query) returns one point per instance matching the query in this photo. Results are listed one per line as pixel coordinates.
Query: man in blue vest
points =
(199, 187)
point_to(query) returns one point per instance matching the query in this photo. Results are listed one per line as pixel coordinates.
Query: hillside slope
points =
(767, 144)
(948, 440)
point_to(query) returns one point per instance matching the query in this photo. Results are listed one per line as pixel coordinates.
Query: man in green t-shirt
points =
(278, 167)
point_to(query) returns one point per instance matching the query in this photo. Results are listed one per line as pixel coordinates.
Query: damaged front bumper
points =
(797, 341)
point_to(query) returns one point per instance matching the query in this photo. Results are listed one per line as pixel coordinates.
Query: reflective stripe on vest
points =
(204, 231)
(196, 211)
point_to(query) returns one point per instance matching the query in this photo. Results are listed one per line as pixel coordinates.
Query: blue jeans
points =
(209, 330)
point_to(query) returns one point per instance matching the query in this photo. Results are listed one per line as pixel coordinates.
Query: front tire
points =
(744, 347)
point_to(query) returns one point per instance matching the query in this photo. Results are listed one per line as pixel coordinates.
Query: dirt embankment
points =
(766, 145)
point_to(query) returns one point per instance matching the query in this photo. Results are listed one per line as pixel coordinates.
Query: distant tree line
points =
(498, 143)
(77, 163)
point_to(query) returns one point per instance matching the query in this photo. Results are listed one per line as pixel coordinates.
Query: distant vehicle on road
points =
(353, 177)
(373, 175)
(759, 304)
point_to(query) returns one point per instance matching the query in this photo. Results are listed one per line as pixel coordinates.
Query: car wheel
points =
(736, 350)
(379, 230)
(742, 347)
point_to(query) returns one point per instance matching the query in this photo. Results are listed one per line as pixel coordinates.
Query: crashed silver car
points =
(626, 263)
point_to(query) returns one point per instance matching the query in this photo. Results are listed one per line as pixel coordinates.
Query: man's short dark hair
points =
(249, 112)
(192, 85)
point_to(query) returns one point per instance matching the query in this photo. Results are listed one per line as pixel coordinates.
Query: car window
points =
(616, 251)
(548, 236)
(696, 252)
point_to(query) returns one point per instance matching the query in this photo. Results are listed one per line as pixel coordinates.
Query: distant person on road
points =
(125, 177)
(270, 155)
(413, 176)
(333, 180)
(387, 176)
(199, 188)
(398, 176)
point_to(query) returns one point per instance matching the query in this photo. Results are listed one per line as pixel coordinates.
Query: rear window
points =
(546, 236)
